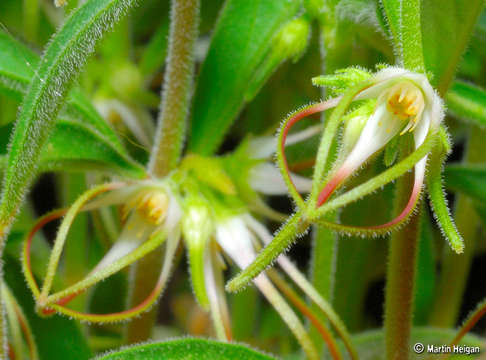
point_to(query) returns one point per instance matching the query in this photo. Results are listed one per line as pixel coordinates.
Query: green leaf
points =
(469, 179)
(187, 349)
(17, 70)
(438, 200)
(467, 102)
(156, 51)
(62, 61)
(57, 338)
(446, 29)
(371, 344)
(240, 42)
(77, 147)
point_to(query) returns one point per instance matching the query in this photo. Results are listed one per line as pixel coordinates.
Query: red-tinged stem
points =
(121, 315)
(28, 243)
(302, 165)
(27, 248)
(414, 196)
(58, 306)
(27, 333)
(331, 186)
(307, 312)
(468, 325)
(317, 108)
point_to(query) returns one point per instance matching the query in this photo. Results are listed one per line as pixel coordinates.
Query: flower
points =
(405, 102)
(215, 224)
(387, 105)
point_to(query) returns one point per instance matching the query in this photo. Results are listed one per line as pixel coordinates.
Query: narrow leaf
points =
(439, 203)
(187, 349)
(17, 70)
(75, 147)
(62, 61)
(446, 29)
(239, 44)
(467, 102)
(468, 179)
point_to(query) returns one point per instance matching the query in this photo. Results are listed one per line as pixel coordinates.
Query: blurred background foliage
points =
(128, 68)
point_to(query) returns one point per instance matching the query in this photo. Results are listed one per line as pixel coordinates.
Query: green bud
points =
(289, 43)
(126, 81)
(391, 151)
(342, 79)
(354, 124)
(292, 39)
(197, 228)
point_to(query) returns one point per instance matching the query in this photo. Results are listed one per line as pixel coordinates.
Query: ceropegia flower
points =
(378, 110)
(405, 102)
(199, 203)
(151, 216)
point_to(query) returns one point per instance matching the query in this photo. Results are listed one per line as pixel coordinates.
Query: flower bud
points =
(292, 39)
(197, 228)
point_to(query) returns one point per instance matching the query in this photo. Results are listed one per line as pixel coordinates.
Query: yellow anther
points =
(405, 100)
(151, 204)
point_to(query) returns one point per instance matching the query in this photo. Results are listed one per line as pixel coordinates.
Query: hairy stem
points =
(400, 277)
(177, 88)
(455, 268)
(168, 143)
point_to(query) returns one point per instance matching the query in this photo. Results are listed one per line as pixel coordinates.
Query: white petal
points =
(378, 131)
(263, 147)
(266, 178)
(134, 233)
(174, 213)
(236, 240)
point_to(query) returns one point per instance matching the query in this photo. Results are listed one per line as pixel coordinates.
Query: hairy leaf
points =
(17, 70)
(75, 147)
(62, 61)
(187, 349)
(371, 344)
(239, 44)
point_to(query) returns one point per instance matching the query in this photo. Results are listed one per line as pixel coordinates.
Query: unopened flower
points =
(405, 102)
(377, 110)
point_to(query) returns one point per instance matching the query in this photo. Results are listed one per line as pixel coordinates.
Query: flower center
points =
(405, 100)
(152, 205)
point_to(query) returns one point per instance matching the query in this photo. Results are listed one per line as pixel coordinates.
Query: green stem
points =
(399, 295)
(177, 88)
(324, 240)
(168, 142)
(411, 36)
(455, 268)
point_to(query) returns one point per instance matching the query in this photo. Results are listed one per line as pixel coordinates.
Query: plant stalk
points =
(168, 144)
(399, 294)
(174, 109)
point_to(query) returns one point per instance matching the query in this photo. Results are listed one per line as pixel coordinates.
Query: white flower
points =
(405, 102)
